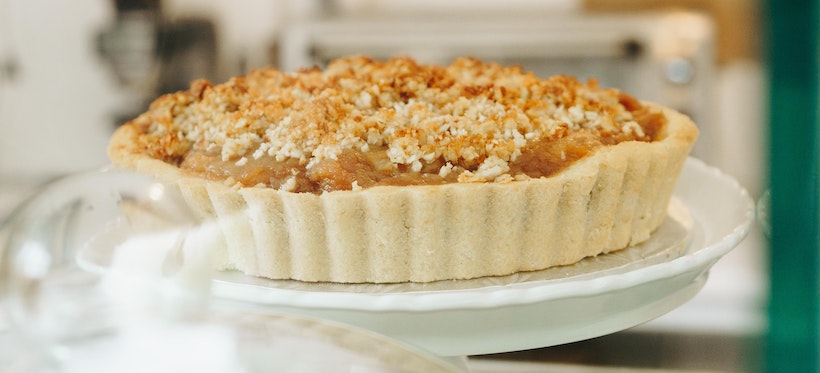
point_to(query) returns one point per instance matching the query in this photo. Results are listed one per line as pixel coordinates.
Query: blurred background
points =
(71, 72)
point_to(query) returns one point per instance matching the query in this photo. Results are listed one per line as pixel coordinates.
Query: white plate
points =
(710, 214)
(713, 216)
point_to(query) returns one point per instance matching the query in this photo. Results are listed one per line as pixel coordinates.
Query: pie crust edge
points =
(611, 199)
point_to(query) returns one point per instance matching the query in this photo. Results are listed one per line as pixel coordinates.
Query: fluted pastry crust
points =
(613, 197)
(608, 200)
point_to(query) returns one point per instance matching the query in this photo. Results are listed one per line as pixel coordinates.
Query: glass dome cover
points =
(151, 309)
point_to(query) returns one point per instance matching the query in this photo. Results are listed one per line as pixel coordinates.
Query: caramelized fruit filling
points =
(355, 169)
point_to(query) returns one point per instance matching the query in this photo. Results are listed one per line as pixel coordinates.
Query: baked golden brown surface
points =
(393, 171)
(362, 122)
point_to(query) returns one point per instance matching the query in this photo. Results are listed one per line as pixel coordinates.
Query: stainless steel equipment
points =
(150, 53)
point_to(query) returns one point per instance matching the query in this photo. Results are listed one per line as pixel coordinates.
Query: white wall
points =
(54, 112)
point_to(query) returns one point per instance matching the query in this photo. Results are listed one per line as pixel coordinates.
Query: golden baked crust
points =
(361, 123)
(606, 200)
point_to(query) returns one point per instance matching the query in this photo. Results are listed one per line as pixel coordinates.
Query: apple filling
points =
(353, 169)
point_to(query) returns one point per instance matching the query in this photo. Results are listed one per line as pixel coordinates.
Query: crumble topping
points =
(470, 121)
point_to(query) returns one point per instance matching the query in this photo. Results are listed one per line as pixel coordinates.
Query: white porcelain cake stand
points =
(710, 215)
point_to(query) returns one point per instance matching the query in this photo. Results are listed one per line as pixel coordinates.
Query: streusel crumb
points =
(470, 121)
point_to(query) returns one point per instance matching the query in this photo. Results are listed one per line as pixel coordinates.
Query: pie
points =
(372, 171)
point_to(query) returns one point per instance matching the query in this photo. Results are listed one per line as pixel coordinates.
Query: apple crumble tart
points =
(395, 171)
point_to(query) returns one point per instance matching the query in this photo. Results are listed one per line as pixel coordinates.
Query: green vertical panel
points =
(792, 54)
